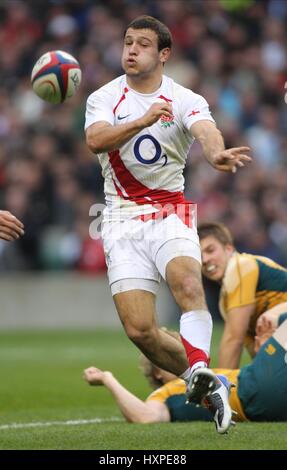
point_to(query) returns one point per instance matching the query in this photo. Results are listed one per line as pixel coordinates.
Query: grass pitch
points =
(45, 404)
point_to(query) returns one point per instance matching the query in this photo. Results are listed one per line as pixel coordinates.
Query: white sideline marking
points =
(58, 423)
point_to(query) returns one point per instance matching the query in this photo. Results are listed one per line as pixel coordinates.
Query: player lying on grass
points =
(10, 227)
(260, 388)
(250, 285)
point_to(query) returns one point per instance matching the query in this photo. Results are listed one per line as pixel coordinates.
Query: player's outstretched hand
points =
(95, 376)
(231, 159)
(10, 227)
(155, 112)
(266, 324)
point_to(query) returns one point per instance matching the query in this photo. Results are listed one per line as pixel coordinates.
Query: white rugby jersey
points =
(148, 169)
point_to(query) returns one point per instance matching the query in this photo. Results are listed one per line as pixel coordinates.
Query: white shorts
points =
(138, 250)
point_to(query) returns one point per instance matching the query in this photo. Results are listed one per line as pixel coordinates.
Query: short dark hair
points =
(149, 22)
(216, 230)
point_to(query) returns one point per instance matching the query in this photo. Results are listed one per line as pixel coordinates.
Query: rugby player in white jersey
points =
(142, 125)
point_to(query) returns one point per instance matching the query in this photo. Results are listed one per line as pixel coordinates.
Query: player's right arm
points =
(238, 303)
(214, 150)
(10, 227)
(102, 137)
(133, 409)
(232, 341)
(198, 121)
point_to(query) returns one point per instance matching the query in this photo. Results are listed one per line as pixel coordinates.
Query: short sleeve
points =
(194, 108)
(240, 281)
(174, 387)
(99, 108)
(160, 394)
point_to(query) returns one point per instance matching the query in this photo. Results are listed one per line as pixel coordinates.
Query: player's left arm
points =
(272, 325)
(133, 408)
(232, 341)
(211, 140)
(268, 321)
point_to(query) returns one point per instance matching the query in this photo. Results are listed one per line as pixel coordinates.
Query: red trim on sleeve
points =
(122, 98)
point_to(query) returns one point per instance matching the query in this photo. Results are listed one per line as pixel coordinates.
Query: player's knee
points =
(141, 336)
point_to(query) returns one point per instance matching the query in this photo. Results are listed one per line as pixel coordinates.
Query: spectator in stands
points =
(240, 55)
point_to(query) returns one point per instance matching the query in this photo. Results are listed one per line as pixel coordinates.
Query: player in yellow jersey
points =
(250, 285)
(253, 397)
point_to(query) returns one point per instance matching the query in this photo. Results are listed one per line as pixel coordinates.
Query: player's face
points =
(140, 54)
(215, 257)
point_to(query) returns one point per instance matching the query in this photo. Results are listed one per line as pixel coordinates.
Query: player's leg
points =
(136, 309)
(134, 281)
(183, 275)
(179, 262)
(177, 256)
(143, 260)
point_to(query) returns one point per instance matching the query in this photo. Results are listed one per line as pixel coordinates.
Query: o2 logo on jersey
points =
(157, 150)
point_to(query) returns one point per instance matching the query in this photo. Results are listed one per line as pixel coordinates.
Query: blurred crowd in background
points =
(233, 52)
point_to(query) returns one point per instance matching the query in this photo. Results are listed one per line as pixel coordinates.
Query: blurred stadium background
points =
(233, 52)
